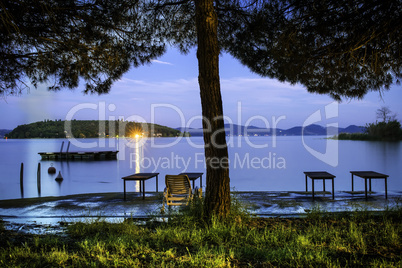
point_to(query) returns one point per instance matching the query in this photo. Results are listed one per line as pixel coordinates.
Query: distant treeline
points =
(381, 131)
(90, 129)
(3, 132)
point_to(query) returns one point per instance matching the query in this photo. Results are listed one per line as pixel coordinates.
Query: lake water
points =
(256, 163)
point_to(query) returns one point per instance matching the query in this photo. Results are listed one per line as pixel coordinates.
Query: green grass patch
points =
(186, 239)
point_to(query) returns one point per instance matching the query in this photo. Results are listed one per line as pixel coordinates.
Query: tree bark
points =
(217, 192)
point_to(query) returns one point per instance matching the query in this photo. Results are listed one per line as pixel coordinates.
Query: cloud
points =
(161, 62)
(257, 92)
(161, 88)
(265, 91)
(241, 83)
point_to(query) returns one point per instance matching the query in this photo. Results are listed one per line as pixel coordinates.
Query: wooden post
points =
(306, 183)
(312, 186)
(61, 149)
(22, 179)
(352, 184)
(38, 178)
(386, 191)
(68, 147)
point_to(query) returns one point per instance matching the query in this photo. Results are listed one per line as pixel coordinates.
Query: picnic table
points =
(193, 176)
(141, 177)
(369, 175)
(320, 175)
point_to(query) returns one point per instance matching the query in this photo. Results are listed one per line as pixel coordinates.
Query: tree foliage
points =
(385, 114)
(64, 41)
(342, 48)
(338, 47)
(389, 129)
(385, 131)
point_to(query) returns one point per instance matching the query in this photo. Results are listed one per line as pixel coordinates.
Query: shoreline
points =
(262, 204)
(51, 215)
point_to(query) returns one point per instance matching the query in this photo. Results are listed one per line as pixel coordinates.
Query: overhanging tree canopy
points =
(343, 48)
(63, 41)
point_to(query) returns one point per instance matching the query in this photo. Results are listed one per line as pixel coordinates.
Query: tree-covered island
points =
(90, 129)
(386, 128)
(378, 131)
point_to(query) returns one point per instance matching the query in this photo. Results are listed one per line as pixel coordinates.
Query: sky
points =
(166, 92)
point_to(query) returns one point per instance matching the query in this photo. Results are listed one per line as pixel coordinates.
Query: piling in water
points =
(38, 179)
(22, 179)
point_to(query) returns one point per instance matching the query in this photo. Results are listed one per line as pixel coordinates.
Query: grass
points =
(355, 239)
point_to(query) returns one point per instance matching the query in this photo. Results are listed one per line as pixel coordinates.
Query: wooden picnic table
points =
(369, 175)
(193, 176)
(320, 175)
(141, 177)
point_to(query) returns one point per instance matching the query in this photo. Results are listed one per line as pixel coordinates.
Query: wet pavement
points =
(49, 214)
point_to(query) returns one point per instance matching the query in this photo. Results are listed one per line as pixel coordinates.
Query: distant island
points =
(311, 130)
(90, 129)
(389, 130)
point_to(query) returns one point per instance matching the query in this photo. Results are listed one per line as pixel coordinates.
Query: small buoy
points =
(52, 169)
(59, 177)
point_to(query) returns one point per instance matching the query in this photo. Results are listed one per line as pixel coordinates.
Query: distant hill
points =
(3, 132)
(90, 129)
(311, 130)
(353, 129)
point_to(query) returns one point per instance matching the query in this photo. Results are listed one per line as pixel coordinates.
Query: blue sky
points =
(166, 92)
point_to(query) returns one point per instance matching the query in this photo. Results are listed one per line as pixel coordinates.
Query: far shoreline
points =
(361, 137)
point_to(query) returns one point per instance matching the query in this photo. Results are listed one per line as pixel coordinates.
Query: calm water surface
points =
(256, 163)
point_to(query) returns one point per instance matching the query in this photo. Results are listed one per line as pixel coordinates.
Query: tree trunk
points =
(217, 192)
